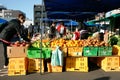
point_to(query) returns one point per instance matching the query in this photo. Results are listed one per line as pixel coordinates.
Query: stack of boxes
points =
(35, 65)
(23, 60)
(75, 61)
(18, 61)
(37, 59)
(109, 63)
(21, 64)
(79, 64)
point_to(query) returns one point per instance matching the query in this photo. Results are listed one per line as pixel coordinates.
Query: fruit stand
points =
(76, 54)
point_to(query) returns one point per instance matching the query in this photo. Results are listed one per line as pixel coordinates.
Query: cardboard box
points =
(14, 52)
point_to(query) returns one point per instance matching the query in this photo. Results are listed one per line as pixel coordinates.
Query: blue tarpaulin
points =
(71, 23)
(81, 5)
(2, 20)
(69, 8)
(70, 15)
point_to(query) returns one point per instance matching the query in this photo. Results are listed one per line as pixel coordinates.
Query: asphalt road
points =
(95, 74)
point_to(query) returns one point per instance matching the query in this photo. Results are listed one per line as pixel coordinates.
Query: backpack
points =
(2, 26)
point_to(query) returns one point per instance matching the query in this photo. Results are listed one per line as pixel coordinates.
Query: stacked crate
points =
(75, 51)
(36, 59)
(35, 65)
(109, 60)
(33, 52)
(79, 64)
(54, 68)
(90, 51)
(17, 61)
(17, 66)
(75, 60)
(105, 51)
(111, 63)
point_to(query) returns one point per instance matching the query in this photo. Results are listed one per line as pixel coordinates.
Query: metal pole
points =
(41, 20)
(71, 24)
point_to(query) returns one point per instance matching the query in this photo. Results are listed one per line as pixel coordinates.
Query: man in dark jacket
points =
(52, 33)
(12, 32)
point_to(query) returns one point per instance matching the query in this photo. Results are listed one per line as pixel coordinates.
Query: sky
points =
(24, 5)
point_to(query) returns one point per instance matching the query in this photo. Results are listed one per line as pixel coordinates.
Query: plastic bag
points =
(57, 57)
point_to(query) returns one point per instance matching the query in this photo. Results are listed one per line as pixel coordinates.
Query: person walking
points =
(11, 33)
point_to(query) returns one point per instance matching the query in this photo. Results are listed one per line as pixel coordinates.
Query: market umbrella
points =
(71, 23)
(2, 20)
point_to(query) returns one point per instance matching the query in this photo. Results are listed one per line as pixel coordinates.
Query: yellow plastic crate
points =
(77, 64)
(111, 69)
(116, 50)
(34, 65)
(54, 68)
(110, 61)
(16, 72)
(18, 64)
(75, 51)
(80, 69)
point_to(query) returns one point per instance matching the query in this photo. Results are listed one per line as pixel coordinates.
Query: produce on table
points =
(78, 43)
(19, 44)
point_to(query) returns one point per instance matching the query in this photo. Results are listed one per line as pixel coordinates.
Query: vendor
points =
(76, 35)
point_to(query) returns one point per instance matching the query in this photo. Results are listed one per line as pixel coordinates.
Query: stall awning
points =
(71, 15)
(2, 20)
(80, 6)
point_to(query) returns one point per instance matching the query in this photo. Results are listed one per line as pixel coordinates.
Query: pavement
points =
(93, 74)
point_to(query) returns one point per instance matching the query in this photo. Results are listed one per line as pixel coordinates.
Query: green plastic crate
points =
(105, 51)
(35, 53)
(90, 51)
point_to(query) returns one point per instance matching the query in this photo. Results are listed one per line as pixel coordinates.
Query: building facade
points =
(38, 13)
(10, 14)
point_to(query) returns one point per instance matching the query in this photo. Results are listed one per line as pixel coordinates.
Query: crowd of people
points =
(59, 30)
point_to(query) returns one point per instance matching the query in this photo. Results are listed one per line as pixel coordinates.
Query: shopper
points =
(61, 29)
(12, 33)
(76, 35)
(52, 32)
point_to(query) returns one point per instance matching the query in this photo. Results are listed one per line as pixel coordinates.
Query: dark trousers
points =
(5, 54)
(61, 35)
